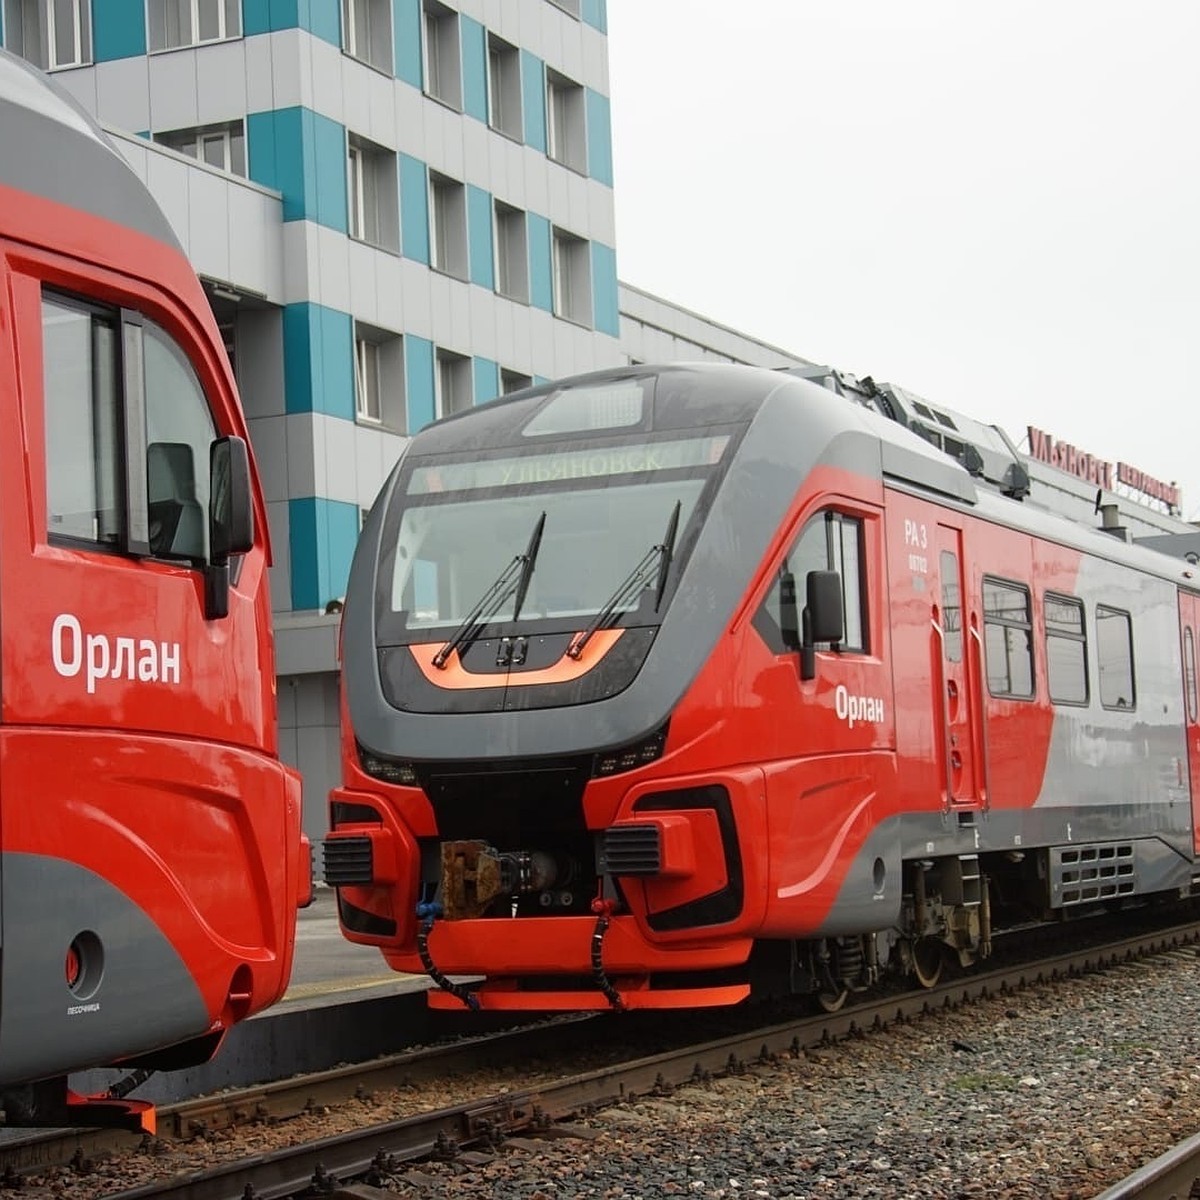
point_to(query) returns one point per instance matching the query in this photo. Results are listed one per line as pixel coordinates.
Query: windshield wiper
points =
(658, 556)
(513, 579)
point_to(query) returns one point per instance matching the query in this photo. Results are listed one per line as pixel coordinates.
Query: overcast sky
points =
(996, 206)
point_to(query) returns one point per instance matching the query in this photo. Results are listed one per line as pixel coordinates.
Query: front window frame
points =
(392, 626)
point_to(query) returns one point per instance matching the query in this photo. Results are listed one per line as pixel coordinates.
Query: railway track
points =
(383, 1149)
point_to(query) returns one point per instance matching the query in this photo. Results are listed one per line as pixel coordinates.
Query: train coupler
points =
(50, 1104)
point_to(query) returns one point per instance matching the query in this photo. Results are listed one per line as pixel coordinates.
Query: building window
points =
(513, 381)
(448, 221)
(379, 377)
(831, 541)
(1009, 639)
(512, 253)
(49, 33)
(1066, 650)
(367, 404)
(443, 66)
(504, 88)
(367, 32)
(373, 204)
(1114, 650)
(572, 278)
(220, 146)
(175, 23)
(566, 121)
(128, 467)
(453, 383)
(568, 6)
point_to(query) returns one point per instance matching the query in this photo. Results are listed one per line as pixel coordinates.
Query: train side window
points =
(1066, 649)
(128, 434)
(1114, 649)
(179, 432)
(831, 541)
(1189, 672)
(951, 607)
(85, 499)
(1008, 635)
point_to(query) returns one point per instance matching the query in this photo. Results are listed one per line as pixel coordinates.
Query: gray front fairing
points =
(143, 999)
(50, 147)
(797, 425)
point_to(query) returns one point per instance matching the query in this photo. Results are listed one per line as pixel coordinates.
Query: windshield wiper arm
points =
(658, 555)
(514, 578)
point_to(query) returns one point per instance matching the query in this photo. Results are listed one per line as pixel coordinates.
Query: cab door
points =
(956, 677)
(1189, 621)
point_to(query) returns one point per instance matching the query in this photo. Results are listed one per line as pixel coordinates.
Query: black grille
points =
(348, 861)
(631, 850)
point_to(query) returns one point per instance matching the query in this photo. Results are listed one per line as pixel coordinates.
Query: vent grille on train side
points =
(348, 861)
(1085, 874)
(631, 850)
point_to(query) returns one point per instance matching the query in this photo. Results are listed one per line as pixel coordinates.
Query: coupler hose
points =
(603, 910)
(428, 913)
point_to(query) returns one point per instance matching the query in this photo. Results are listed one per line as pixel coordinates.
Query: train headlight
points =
(389, 770)
(628, 758)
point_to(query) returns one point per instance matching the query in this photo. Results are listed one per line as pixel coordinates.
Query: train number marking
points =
(916, 537)
(851, 708)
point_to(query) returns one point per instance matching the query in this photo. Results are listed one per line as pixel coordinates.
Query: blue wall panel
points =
(487, 380)
(318, 360)
(604, 289)
(595, 13)
(319, 17)
(479, 236)
(414, 209)
(473, 40)
(406, 31)
(322, 535)
(599, 137)
(303, 155)
(118, 29)
(418, 381)
(533, 100)
(541, 282)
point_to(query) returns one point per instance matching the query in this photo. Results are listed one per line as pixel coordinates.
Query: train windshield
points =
(459, 525)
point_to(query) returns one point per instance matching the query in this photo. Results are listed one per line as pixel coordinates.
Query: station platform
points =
(327, 967)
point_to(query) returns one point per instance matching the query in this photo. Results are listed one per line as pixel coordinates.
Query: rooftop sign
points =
(1046, 448)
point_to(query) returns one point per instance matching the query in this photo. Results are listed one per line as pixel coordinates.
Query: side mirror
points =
(230, 519)
(822, 617)
(231, 501)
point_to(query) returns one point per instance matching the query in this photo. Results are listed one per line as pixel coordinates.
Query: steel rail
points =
(1171, 1176)
(288, 1172)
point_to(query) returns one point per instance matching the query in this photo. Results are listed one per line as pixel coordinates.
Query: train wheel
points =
(927, 958)
(831, 1001)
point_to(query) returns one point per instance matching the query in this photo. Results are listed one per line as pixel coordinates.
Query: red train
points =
(658, 678)
(151, 855)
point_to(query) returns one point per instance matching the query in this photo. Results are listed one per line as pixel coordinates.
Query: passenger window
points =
(1114, 649)
(119, 391)
(829, 542)
(1008, 635)
(1066, 650)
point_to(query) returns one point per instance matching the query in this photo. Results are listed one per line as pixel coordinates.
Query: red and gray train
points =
(151, 855)
(662, 680)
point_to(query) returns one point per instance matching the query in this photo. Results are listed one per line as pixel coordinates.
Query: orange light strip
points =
(455, 676)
